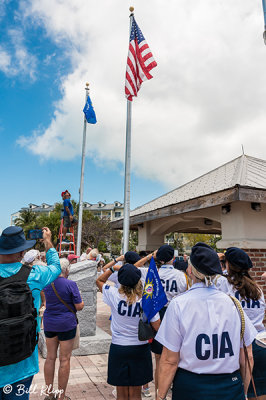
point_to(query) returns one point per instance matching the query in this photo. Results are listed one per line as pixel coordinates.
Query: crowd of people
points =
(204, 336)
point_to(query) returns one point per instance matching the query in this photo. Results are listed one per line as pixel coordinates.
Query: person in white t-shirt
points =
(200, 332)
(129, 362)
(174, 282)
(240, 284)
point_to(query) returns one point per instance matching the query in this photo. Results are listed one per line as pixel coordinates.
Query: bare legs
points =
(65, 351)
(128, 392)
(49, 365)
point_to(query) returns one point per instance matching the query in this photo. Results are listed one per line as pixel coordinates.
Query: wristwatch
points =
(112, 269)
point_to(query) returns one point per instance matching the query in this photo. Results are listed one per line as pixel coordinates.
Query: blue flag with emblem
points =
(153, 298)
(89, 112)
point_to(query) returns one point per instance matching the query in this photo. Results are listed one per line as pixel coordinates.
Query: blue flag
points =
(153, 298)
(89, 112)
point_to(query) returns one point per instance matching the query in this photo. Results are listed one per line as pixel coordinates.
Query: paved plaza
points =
(88, 374)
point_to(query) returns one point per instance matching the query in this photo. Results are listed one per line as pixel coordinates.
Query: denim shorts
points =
(62, 336)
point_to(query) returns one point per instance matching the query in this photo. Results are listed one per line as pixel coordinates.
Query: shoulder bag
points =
(242, 318)
(77, 337)
(145, 330)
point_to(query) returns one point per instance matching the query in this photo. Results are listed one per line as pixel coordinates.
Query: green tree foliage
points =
(96, 232)
(193, 238)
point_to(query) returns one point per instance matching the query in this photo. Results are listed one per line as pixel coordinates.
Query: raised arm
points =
(113, 262)
(44, 275)
(104, 277)
(143, 260)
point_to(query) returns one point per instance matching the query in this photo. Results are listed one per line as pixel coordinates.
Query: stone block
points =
(87, 321)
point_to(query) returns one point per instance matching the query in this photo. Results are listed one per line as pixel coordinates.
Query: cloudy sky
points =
(208, 95)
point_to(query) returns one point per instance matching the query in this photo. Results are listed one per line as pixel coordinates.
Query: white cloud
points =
(16, 59)
(206, 98)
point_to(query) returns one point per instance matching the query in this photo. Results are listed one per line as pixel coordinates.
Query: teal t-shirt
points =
(39, 277)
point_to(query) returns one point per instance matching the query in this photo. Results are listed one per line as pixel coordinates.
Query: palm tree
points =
(26, 217)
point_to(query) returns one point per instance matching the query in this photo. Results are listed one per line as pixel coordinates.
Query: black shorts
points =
(129, 365)
(67, 222)
(62, 336)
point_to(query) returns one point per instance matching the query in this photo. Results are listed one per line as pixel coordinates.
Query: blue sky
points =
(206, 99)
(27, 104)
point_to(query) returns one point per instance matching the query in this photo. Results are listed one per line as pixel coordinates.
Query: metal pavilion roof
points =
(243, 171)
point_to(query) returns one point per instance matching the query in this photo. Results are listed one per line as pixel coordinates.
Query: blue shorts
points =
(18, 390)
(62, 336)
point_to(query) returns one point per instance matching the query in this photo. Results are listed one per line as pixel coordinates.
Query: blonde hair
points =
(132, 294)
(207, 279)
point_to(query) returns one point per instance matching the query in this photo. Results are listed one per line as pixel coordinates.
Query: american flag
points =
(140, 62)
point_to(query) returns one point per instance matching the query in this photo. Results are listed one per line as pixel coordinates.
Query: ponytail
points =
(243, 282)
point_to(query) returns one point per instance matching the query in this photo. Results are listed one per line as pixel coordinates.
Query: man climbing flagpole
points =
(140, 62)
(90, 118)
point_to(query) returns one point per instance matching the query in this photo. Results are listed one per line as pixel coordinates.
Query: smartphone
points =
(35, 234)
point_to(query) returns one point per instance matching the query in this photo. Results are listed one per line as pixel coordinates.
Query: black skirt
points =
(190, 386)
(259, 371)
(129, 365)
(157, 347)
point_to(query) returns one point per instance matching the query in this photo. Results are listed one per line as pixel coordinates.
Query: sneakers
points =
(146, 392)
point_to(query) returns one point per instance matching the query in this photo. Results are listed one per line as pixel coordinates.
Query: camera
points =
(35, 234)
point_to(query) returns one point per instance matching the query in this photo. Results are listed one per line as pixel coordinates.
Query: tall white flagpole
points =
(78, 250)
(127, 165)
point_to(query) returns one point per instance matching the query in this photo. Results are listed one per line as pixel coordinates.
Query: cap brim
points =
(28, 245)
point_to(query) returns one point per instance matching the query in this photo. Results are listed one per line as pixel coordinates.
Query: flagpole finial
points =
(87, 84)
(131, 9)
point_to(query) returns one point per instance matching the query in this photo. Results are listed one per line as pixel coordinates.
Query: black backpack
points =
(18, 323)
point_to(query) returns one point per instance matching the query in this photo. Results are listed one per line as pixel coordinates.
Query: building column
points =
(146, 240)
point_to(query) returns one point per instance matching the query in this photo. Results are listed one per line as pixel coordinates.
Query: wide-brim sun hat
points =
(12, 240)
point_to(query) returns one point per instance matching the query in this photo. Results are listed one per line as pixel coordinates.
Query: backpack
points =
(18, 323)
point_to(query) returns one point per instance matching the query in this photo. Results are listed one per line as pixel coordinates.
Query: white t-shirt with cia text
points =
(125, 317)
(203, 324)
(254, 309)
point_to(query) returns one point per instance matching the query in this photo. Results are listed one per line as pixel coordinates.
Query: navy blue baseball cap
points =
(129, 275)
(131, 257)
(165, 253)
(238, 258)
(13, 241)
(205, 259)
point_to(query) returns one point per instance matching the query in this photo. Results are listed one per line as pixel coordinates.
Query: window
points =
(117, 214)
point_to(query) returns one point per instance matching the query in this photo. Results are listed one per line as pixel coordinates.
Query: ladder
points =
(64, 247)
